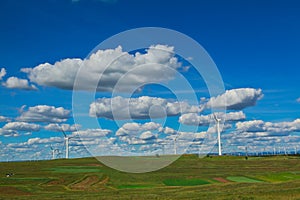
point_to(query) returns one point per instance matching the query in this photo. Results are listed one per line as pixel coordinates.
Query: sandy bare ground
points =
(85, 183)
(56, 182)
(90, 183)
(8, 190)
(222, 180)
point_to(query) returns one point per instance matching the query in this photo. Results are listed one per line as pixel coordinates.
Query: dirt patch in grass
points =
(8, 190)
(94, 165)
(56, 182)
(86, 183)
(104, 181)
(101, 184)
(222, 180)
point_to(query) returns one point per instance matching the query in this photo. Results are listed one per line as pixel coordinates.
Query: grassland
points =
(189, 177)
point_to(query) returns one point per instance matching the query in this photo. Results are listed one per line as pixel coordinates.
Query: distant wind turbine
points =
(175, 144)
(219, 134)
(285, 152)
(59, 154)
(53, 151)
(67, 138)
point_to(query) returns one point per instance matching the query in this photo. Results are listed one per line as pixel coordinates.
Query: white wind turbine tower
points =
(175, 146)
(162, 145)
(175, 143)
(219, 134)
(67, 138)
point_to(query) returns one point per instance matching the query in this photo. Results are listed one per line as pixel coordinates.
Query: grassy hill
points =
(189, 177)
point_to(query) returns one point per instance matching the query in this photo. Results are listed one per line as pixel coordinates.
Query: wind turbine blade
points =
(72, 137)
(64, 133)
(215, 117)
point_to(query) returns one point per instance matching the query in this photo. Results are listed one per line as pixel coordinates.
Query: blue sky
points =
(255, 44)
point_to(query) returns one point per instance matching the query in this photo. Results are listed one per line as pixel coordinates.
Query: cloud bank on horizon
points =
(147, 135)
(157, 64)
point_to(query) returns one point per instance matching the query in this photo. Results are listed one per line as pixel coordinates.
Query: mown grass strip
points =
(184, 182)
(243, 179)
(134, 186)
(74, 170)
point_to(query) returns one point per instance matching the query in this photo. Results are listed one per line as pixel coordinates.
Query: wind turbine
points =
(67, 138)
(162, 146)
(53, 151)
(175, 144)
(219, 134)
(285, 152)
(58, 155)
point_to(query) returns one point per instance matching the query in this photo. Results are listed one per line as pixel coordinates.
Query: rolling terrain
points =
(189, 177)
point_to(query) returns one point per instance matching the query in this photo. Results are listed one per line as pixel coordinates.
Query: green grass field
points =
(242, 179)
(189, 177)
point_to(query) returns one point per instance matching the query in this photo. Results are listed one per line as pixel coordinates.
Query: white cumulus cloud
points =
(235, 99)
(2, 73)
(147, 135)
(261, 126)
(91, 133)
(204, 120)
(32, 141)
(12, 129)
(44, 113)
(21, 126)
(136, 128)
(9, 133)
(4, 119)
(17, 83)
(144, 107)
(156, 65)
(60, 127)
